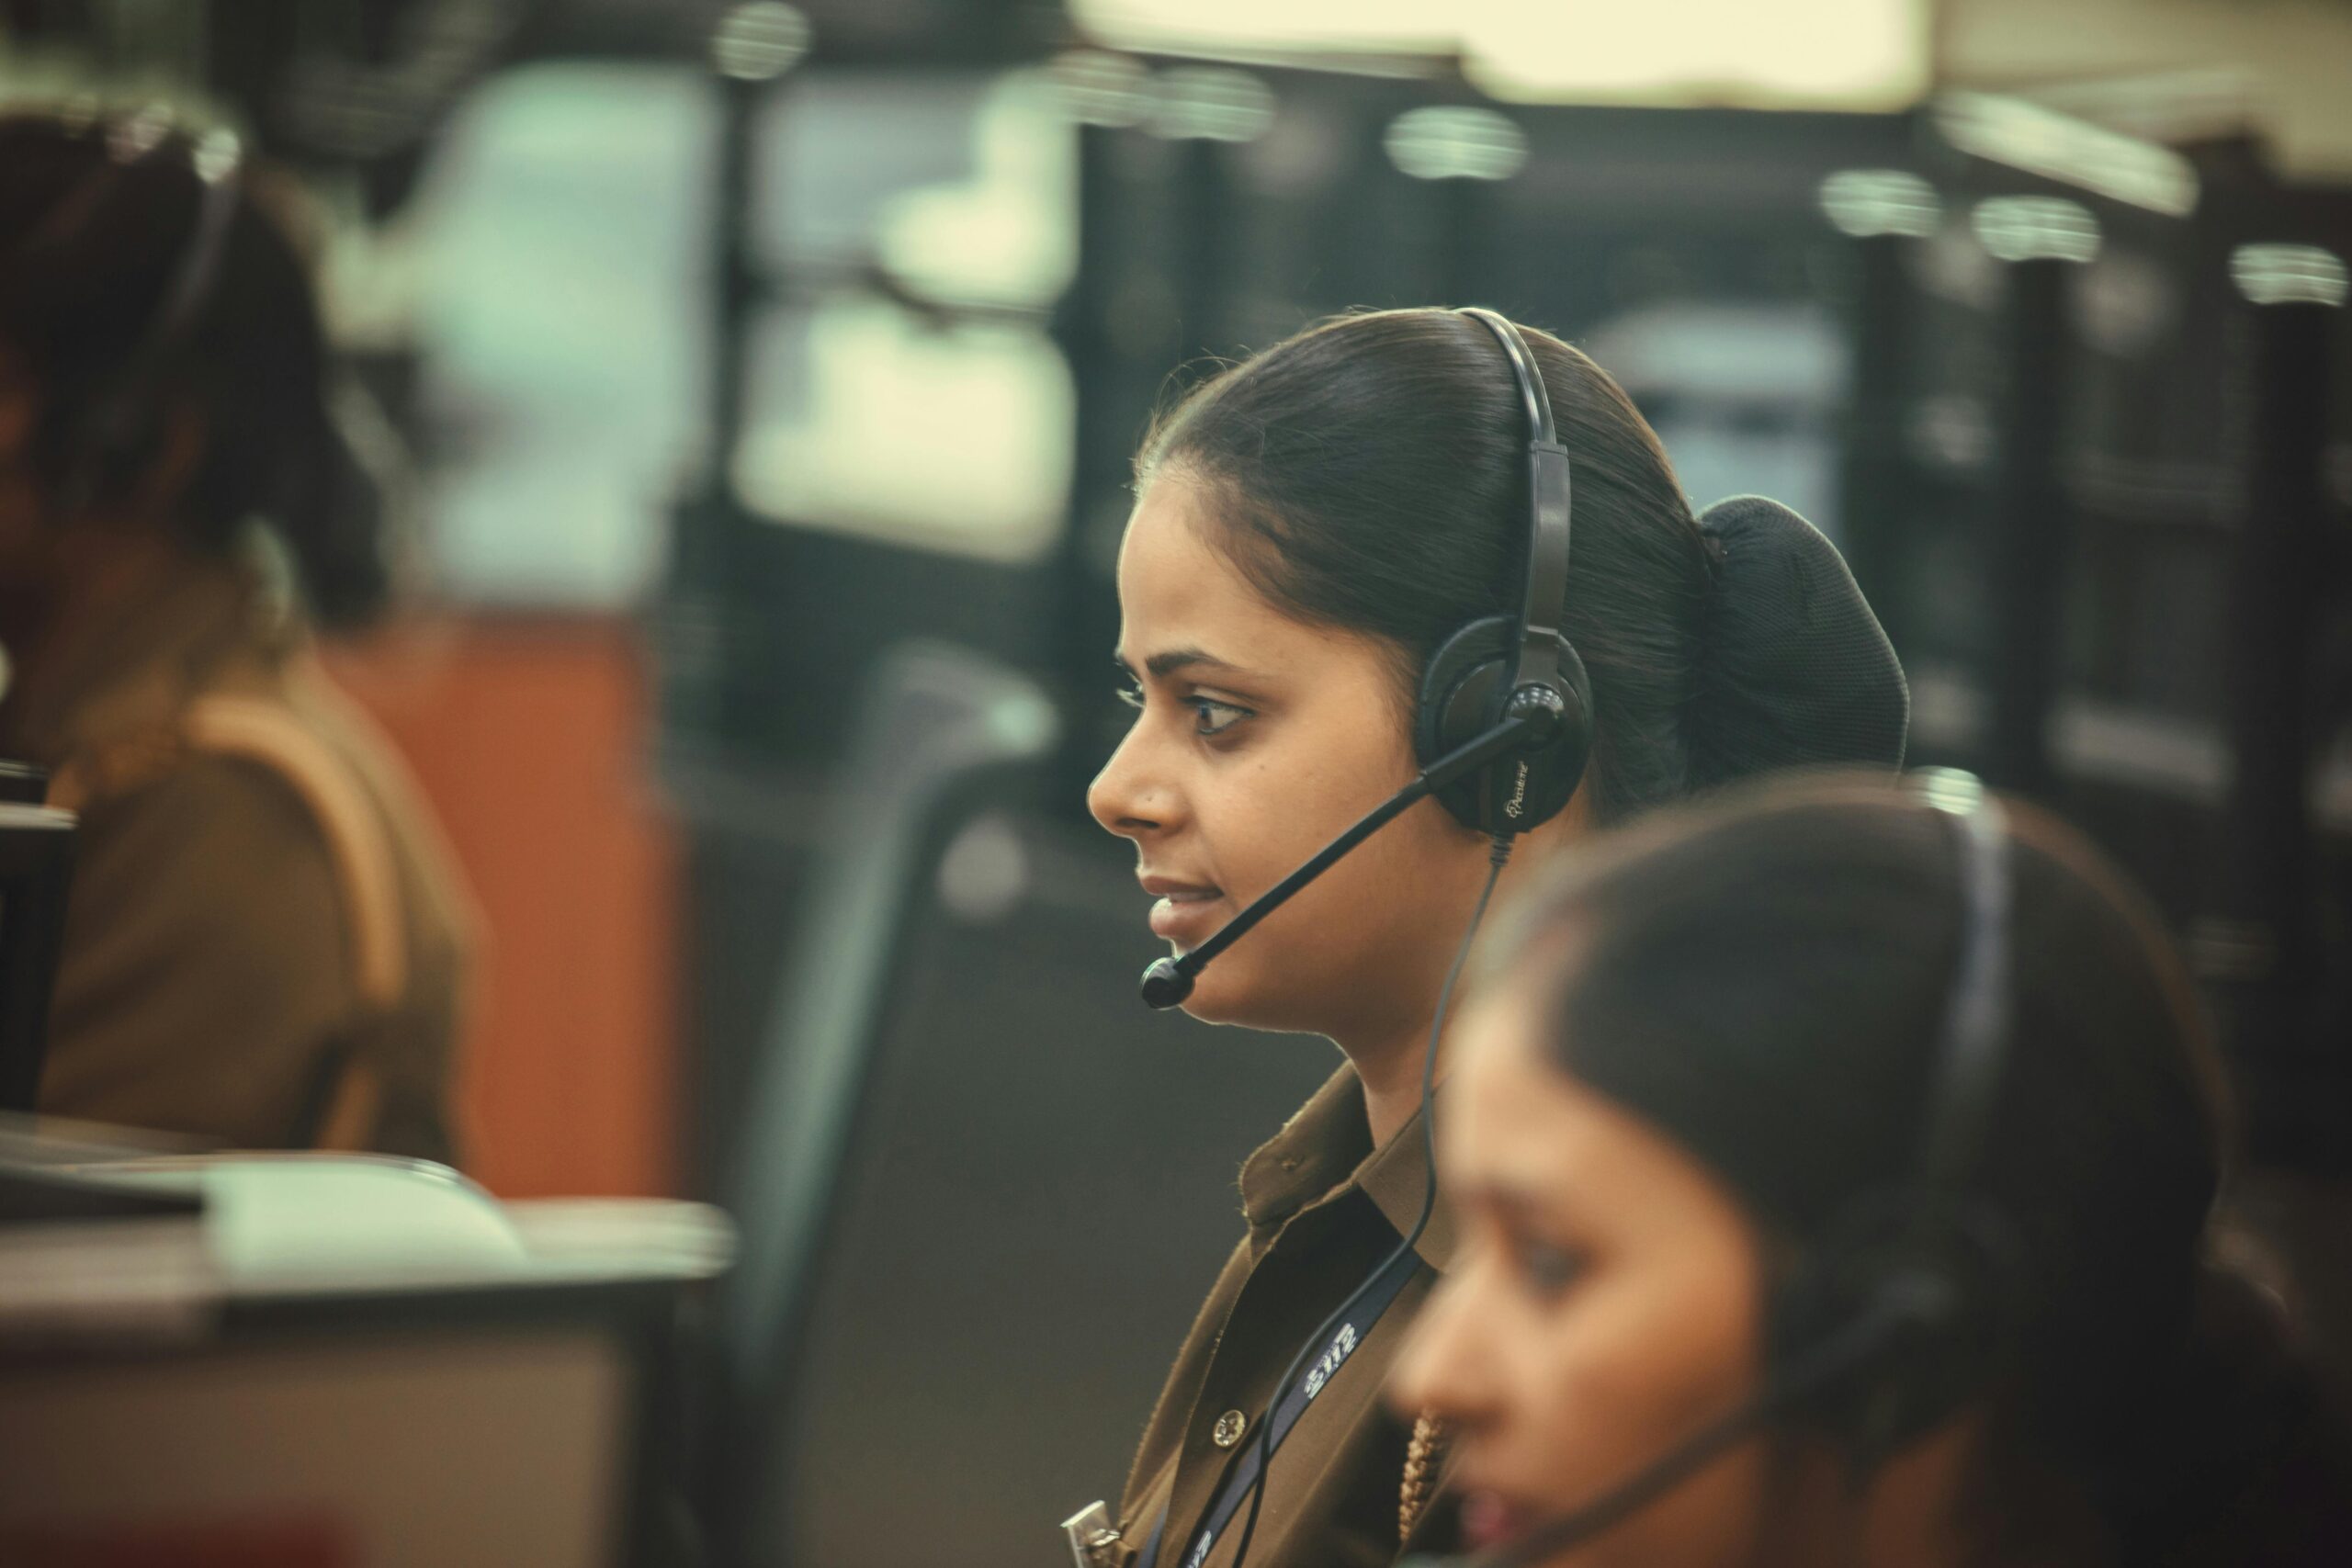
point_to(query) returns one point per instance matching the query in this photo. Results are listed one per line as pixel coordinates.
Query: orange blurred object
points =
(529, 735)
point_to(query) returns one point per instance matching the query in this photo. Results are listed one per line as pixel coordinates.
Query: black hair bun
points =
(1794, 669)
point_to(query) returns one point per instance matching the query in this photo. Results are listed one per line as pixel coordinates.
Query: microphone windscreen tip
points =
(1164, 985)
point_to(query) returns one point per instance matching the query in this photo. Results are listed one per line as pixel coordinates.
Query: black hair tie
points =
(1794, 669)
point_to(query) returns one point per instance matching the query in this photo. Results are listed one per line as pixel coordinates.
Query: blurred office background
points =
(764, 379)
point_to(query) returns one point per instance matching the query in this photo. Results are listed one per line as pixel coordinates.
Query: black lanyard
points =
(1352, 1333)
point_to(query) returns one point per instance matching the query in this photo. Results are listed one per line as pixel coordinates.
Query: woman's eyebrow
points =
(1167, 663)
(1502, 1196)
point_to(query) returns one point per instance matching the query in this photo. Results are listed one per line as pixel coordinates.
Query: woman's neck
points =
(1389, 1059)
(1391, 1071)
(126, 599)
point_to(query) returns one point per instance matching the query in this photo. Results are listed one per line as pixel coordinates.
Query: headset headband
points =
(1546, 607)
(200, 264)
(1976, 1015)
(218, 164)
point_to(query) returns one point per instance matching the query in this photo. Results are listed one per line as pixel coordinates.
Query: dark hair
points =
(90, 244)
(1765, 980)
(1369, 474)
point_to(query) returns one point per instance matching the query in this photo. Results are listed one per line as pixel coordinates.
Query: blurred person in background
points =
(265, 942)
(1687, 1141)
(1313, 528)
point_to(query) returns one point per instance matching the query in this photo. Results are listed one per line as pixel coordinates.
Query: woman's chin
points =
(1247, 1001)
(1216, 997)
(1204, 1006)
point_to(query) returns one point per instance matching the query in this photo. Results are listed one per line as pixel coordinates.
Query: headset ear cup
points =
(1462, 697)
(1945, 1284)
(1463, 694)
(1868, 1411)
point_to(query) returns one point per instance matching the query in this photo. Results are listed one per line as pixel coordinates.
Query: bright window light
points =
(1848, 53)
(955, 440)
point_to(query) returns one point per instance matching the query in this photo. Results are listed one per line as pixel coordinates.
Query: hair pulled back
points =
(1765, 980)
(1369, 474)
(90, 243)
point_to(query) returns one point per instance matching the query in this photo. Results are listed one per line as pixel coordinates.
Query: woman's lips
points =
(1183, 915)
(1490, 1519)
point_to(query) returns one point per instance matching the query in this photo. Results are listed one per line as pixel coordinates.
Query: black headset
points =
(116, 429)
(1904, 1310)
(1484, 668)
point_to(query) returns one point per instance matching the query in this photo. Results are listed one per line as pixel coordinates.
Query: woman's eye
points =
(1210, 717)
(1548, 1269)
(1215, 717)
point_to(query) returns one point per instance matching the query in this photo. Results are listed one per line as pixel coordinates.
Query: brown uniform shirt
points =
(1324, 1209)
(266, 941)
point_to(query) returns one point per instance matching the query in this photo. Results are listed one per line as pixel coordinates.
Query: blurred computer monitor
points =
(36, 870)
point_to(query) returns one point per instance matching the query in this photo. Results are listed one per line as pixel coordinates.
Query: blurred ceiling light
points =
(138, 134)
(2175, 107)
(1867, 203)
(216, 154)
(1860, 53)
(79, 111)
(1401, 25)
(2040, 141)
(2289, 274)
(1097, 87)
(1212, 104)
(2036, 228)
(759, 41)
(1455, 142)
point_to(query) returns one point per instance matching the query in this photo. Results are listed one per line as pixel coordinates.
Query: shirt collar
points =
(1325, 1150)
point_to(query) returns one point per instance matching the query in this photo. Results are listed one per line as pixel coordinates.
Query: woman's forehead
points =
(1179, 593)
(1177, 590)
(1518, 1123)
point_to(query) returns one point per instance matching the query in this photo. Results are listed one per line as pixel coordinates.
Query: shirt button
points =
(1228, 1430)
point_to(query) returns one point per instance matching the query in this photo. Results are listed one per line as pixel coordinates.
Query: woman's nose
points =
(1125, 796)
(1443, 1368)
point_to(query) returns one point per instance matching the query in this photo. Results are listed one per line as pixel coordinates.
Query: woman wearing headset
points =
(1833, 1177)
(265, 942)
(1313, 531)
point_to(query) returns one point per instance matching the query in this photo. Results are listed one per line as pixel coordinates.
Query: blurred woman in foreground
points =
(1835, 1174)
